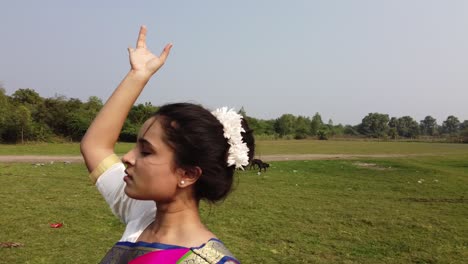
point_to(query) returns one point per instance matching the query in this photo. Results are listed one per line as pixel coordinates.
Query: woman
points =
(183, 154)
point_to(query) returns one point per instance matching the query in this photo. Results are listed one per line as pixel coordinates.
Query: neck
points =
(176, 215)
(178, 223)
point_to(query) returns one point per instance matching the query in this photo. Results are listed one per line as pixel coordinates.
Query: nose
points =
(129, 158)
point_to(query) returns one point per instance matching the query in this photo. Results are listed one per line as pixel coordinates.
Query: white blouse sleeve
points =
(111, 186)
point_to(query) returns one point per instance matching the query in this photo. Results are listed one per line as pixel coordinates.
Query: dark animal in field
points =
(261, 165)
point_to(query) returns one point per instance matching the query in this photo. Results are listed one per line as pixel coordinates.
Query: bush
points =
(300, 136)
(41, 132)
(322, 135)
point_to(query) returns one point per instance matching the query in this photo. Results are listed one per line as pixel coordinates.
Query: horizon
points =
(325, 121)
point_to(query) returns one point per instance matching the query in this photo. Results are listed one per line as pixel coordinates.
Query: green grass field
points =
(399, 210)
(268, 147)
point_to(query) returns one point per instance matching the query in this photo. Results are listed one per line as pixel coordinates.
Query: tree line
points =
(373, 125)
(26, 116)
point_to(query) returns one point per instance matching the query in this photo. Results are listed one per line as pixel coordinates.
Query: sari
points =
(211, 252)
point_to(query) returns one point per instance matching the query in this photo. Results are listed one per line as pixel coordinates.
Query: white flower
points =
(232, 123)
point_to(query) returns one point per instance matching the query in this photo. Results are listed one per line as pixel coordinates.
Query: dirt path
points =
(77, 159)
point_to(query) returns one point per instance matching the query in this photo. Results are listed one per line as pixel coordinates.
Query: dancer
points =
(184, 154)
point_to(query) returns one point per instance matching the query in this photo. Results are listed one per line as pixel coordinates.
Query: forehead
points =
(151, 128)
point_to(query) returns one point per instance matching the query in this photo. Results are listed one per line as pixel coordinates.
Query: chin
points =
(135, 195)
(128, 191)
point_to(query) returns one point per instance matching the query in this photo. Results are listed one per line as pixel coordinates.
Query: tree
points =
(464, 135)
(3, 100)
(330, 128)
(351, 130)
(374, 125)
(58, 114)
(393, 123)
(316, 124)
(302, 127)
(94, 104)
(26, 96)
(31, 100)
(451, 125)
(268, 126)
(259, 127)
(78, 123)
(464, 125)
(140, 113)
(428, 126)
(18, 125)
(338, 130)
(285, 125)
(407, 127)
(393, 133)
(4, 106)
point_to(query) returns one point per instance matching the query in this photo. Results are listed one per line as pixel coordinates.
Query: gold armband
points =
(103, 166)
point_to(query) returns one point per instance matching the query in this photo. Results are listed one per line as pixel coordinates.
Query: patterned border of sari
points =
(211, 252)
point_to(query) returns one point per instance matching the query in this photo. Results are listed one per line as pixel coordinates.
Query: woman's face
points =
(151, 170)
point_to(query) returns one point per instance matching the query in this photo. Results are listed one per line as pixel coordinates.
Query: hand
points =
(143, 62)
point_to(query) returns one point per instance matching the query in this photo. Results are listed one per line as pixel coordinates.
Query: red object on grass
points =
(56, 225)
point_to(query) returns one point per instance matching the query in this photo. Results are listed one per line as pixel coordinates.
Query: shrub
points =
(322, 135)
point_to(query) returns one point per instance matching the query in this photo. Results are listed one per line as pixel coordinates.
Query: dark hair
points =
(196, 137)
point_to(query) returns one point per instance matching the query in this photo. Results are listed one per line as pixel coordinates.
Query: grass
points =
(68, 149)
(268, 147)
(355, 147)
(410, 210)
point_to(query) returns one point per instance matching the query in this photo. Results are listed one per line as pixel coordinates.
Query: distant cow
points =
(261, 165)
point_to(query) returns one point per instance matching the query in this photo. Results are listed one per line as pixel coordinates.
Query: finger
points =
(165, 52)
(130, 49)
(141, 42)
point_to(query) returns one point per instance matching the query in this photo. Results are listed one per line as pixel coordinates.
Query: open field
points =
(270, 147)
(388, 210)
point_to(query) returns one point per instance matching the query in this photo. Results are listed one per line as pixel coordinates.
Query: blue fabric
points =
(148, 245)
(228, 258)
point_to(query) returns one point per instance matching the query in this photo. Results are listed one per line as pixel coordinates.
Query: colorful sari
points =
(211, 252)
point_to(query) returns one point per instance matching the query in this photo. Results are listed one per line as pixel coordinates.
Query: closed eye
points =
(145, 147)
(144, 153)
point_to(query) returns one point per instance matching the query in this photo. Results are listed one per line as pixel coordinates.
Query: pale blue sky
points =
(342, 59)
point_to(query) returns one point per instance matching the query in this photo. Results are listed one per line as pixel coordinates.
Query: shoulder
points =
(109, 165)
(214, 251)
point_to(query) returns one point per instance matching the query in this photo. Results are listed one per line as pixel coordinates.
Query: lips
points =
(127, 177)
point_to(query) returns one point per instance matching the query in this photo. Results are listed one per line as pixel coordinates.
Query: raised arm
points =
(101, 136)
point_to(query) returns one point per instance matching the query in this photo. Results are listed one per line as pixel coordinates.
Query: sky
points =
(342, 59)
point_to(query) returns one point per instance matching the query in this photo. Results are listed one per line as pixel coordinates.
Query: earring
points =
(182, 182)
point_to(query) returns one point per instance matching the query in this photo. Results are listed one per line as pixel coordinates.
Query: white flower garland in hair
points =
(232, 123)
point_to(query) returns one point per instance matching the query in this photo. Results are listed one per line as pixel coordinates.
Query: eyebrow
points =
(145, 141)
